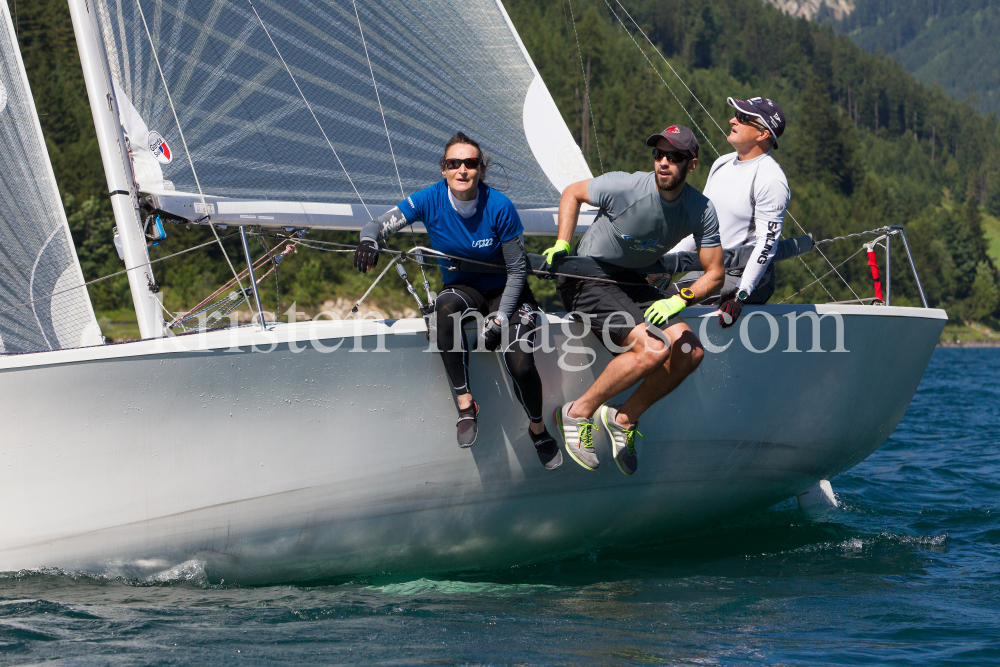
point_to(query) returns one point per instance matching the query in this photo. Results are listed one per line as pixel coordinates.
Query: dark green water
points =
(907, 572)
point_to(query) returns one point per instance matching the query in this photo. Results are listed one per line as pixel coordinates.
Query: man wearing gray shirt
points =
(641, 216)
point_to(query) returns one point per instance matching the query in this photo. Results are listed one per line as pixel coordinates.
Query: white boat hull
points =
(290, 465)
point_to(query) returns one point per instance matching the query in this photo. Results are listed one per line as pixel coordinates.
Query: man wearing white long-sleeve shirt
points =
(750, 194)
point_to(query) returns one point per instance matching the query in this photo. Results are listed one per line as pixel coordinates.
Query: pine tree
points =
(824, 144)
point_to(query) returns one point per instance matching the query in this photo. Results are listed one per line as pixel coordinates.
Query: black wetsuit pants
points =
(518, 357)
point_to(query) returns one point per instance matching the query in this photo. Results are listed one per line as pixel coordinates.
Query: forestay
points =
(386, 81)
(44, 304)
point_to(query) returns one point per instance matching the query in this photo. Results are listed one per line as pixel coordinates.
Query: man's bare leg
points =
(647, 354)
(685, 355)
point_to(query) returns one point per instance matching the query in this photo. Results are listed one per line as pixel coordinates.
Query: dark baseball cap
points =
(679, 137)
(768, 111)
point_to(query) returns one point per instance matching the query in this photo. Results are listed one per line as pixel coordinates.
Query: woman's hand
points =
(366, 256)
(492, 333)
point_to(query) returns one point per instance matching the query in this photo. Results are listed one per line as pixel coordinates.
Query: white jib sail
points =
(44, 304)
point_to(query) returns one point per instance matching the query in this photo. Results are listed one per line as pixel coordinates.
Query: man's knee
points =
(686, 353)
(649, 353)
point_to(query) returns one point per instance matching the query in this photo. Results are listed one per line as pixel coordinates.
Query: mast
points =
(117, 167)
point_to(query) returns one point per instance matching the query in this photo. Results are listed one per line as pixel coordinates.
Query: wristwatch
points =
(687, 295)
(742, 296)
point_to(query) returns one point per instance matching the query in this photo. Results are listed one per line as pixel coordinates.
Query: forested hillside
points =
(949, 42)
(866, 145)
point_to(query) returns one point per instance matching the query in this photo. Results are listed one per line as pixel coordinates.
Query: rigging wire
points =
(277, 285)
(378, 97)
(880, 230)
(256, 264)
(309, 107)
(586, 83)
(643, 33)
(305, 244)
(372, 286)
(419, 251)
(371, 70)
(112, 275)
(814, 276)
(576, 75)
(823, 255)
(187, 152)
(679, 103)
(833, 270)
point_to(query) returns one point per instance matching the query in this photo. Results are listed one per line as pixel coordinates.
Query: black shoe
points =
(468, 429)
(548, 450)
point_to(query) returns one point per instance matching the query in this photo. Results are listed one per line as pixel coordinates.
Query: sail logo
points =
(159, 148)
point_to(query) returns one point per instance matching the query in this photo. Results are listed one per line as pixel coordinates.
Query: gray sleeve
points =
(384, 226)
(614, 187)
(707, 233)
(517, 276)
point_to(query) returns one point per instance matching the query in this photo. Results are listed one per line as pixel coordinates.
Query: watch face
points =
(742, 295)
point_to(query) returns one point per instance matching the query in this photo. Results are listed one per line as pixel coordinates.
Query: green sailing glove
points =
(664, 309)
(560, 249)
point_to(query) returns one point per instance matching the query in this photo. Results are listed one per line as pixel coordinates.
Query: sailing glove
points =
(492, 333)
(729, 311)
(366, 256)
(560, 249)
(664, 309)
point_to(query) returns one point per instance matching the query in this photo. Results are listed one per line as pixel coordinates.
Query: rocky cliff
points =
(809, 8)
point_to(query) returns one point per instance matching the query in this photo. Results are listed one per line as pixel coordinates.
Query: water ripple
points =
(905, 573)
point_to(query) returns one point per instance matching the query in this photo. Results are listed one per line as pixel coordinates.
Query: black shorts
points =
(614, 309)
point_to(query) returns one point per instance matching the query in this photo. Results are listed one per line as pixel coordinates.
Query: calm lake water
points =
(906, 572)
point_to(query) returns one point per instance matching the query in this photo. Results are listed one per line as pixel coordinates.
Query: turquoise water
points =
(905, 573)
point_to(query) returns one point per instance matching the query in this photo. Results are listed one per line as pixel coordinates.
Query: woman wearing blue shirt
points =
(466, 218)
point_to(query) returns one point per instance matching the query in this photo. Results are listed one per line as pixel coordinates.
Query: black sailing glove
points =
(730, 310)
(366, 256)
(492, 334)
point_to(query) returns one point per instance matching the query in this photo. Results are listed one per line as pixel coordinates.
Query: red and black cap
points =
(765, 110)
(679, 137)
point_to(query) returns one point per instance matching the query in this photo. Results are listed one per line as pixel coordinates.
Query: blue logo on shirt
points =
(648, 244)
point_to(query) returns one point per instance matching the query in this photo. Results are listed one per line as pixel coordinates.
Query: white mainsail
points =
(44, 304)
(388, 82)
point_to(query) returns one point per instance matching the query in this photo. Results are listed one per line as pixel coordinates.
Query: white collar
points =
(466, 209)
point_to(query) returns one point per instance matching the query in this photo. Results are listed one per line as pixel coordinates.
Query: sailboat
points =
(293, 451)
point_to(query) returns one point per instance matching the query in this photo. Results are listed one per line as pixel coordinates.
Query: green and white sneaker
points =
(622, 439)
(578, 435)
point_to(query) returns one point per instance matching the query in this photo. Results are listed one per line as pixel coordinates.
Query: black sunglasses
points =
(673, 157)
(469, 162)
(747, 119)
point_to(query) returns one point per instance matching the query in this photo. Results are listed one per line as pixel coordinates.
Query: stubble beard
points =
(673, 182)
